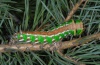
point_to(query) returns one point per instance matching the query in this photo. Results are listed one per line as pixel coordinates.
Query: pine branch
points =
(37, 47)
(74, 9)
(69, 58)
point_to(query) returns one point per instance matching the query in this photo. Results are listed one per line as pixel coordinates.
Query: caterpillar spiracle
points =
(70, 27)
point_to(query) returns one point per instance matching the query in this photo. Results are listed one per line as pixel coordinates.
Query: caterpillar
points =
(70, 27)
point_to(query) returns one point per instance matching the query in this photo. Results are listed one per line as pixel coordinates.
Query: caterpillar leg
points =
(43, 45)
(57, 45)
(12, 41)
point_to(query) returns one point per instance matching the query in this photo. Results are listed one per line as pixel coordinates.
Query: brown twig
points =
(63, 45)
(74, 10)
(59, 46)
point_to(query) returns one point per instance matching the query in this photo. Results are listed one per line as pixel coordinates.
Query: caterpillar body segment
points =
(69, 27)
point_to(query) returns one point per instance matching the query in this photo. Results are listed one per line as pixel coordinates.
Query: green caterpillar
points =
(69, 27)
